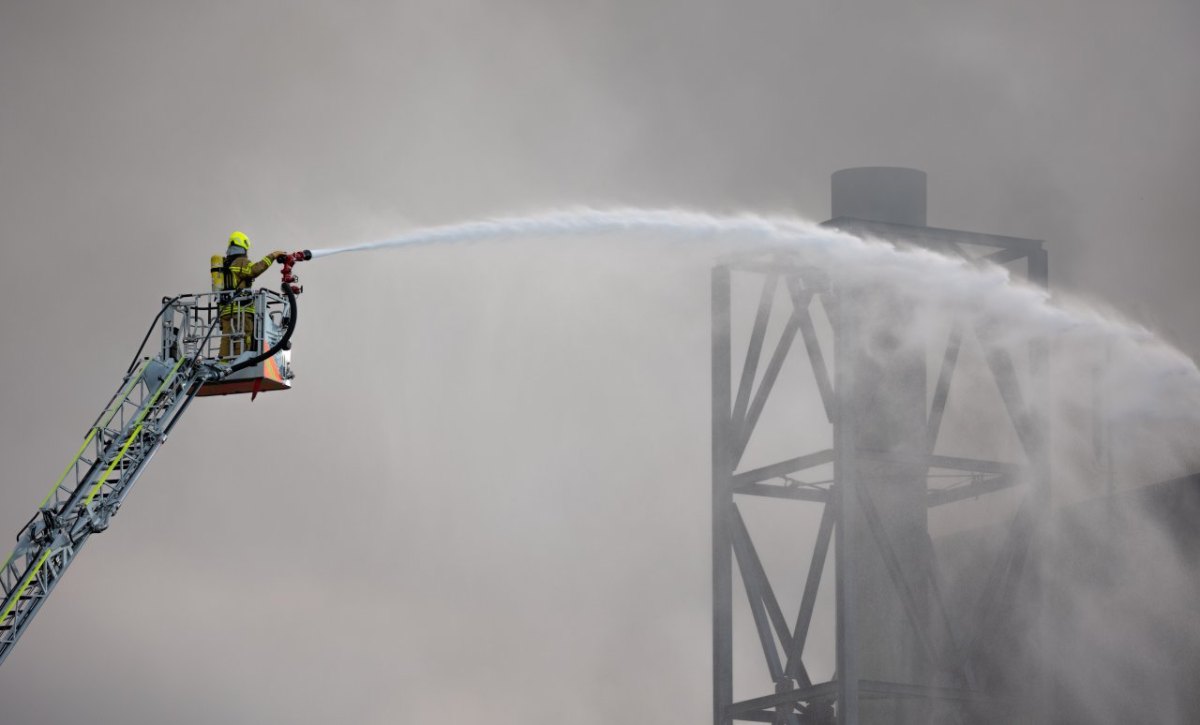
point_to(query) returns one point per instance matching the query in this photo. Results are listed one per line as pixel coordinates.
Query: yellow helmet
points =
(238, 239)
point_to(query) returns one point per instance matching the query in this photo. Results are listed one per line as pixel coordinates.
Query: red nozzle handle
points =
(289, 260)
(302, 256)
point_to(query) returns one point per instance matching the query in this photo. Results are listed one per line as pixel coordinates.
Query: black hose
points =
(283, 341)
(133, 363)
(149, 332)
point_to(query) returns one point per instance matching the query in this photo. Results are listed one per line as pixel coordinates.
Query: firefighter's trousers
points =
(237, 333)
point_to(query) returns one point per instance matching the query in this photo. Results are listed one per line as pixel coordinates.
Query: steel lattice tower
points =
(899, 658)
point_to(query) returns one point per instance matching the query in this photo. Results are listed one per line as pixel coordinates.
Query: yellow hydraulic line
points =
(137, 429)
(24, 585)
(100, 481)
(112, 413)
(170, 378)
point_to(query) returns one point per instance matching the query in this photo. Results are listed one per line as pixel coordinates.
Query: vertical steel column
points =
(722, 497)
(881, 400)
(845, 501)
(1039, 401)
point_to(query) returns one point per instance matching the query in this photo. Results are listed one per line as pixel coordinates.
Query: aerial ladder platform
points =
(153, 395)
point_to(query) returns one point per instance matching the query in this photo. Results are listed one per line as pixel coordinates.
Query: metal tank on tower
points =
(901, 655)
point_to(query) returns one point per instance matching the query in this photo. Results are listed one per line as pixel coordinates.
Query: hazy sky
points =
(486, 499)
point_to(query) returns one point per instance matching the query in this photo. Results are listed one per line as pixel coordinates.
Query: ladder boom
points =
(133, 426)
(113, 456)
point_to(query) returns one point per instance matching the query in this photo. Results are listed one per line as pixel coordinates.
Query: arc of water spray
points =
(1164, 377)
(672, 223)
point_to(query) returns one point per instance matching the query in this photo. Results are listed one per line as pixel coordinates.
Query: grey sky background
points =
(487, 496)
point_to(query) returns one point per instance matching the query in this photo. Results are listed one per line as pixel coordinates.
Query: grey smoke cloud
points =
(487, 495)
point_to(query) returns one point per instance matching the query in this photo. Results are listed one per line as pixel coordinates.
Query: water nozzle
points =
(302, 256)
(289, 260)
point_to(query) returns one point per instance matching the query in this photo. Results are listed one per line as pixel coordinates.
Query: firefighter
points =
(234, 276)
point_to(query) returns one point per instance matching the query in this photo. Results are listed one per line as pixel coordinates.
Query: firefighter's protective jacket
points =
(237, 275)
